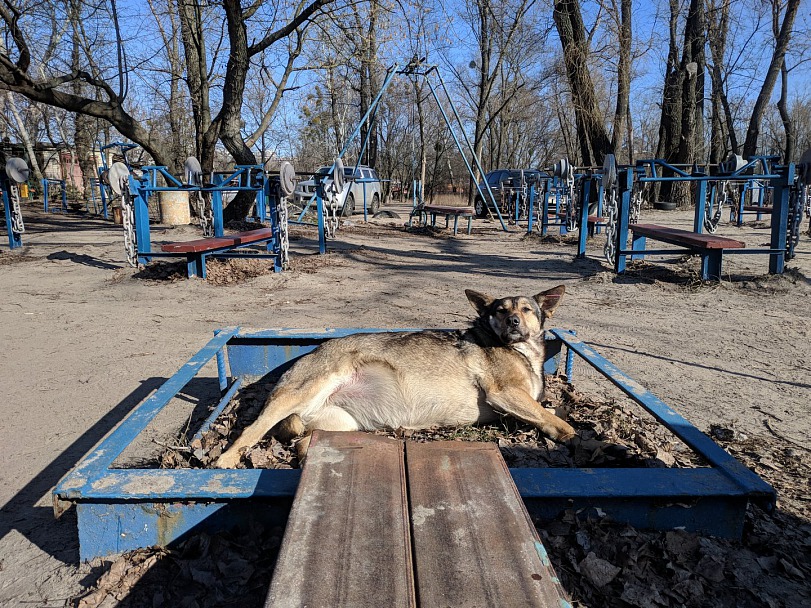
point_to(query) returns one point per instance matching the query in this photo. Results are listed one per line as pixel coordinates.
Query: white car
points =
(351, 198)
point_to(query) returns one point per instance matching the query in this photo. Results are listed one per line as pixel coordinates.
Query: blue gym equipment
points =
(16, 173)
(788, 190)
(135, 188)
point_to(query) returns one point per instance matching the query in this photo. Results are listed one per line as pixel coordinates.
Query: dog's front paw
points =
(228, 460)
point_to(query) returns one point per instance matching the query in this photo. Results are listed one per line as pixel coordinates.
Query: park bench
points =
(379, 522)
(448, 212)
(196, 251)
(709, 246)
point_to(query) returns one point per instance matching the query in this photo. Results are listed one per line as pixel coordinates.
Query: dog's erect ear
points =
(550, 299)
(480, 301)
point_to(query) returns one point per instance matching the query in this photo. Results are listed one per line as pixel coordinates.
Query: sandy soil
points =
(85, 338)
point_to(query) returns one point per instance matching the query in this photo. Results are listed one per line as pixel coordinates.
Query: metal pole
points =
(467, 141)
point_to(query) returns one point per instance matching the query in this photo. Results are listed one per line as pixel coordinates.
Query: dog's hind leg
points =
(287, 399)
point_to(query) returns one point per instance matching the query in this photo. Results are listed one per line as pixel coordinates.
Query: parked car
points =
(504, 183)
(351, 198)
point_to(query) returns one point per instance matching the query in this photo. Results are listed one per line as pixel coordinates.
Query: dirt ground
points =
(86, 338)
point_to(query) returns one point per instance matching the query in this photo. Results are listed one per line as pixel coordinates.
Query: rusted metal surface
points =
(347, 541)
(474, 543)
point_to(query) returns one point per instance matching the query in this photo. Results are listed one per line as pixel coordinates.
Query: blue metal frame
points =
(780, 178)
(245, 178)
(15, 239)
(123, 509)
(46, 192)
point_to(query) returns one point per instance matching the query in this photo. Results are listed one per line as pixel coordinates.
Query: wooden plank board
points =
(198, 245)
(675, 236)
(474, 542)
(347, 541)
(448, 210)
(218, 242)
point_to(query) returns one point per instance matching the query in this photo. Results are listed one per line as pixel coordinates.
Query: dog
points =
(419, 380)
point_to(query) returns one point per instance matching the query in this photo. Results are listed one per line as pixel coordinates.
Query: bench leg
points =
(433, 220)
(455, 223)
(638, 243)
(711, 265)
(196, 266)
(469, 223)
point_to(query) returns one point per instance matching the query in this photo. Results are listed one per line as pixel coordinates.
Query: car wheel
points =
(375, 204)
(349, 205)
(479, 207)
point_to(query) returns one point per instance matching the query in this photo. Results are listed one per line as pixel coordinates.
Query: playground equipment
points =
(48, 187)
(415, 68)
(271, 202)
(16, 173)
(120, 509)
(104, 183)
(789, 191)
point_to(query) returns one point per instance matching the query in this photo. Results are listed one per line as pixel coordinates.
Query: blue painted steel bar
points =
(217, 410)
(319, 207)
(15, 239)
(222, 374)
(115, 443)
(625, 181)
(782, 201)
(701, 207)
(392, 72)
(583, 220)
(138, 192)
(685, 431)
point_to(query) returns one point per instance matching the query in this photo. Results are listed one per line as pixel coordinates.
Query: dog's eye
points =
(526, 309)
(501, 311)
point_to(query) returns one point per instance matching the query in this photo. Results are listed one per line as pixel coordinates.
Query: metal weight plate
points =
(805, 161)
(338, 175)
(609, 171)
(17, 169)
(563, 169)
(287, 178)
(733, 163)
(118, 173)
(193, 172)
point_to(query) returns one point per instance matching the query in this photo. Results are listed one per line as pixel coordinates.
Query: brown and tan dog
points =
(419, 380)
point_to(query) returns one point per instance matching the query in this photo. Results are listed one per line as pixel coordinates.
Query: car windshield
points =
(347, 171)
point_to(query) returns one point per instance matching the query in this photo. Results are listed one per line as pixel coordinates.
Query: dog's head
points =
(519, 318)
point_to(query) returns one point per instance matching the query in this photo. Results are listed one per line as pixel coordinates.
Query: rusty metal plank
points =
(474, 543)
(347, 541)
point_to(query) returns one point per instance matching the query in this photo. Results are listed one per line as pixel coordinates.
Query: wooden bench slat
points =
(448, 209)
(684, 238)
(347, 541)
(474, 542)
(218, 242)
(764, 210)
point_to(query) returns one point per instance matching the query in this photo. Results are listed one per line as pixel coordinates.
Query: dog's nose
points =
(514, 320)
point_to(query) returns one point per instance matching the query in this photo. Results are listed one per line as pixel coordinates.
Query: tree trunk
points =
(622, 109)
(593, 137)
(750, 144)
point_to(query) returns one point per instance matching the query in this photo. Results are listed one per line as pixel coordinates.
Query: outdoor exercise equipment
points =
(135, 191)
(121, 509)
(782, 179)
(105, 192)
(16, 173)
(48, 187)
(416, 68)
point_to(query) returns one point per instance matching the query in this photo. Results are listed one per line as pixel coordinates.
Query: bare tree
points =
(782, 38)
(593, 139)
